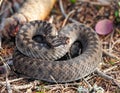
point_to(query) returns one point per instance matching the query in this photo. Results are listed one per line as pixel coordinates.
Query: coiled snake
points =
(44, 64)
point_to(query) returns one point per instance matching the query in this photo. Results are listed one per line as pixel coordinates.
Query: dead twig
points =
(99, 2)
(114, 43)
(111, 40)
(67, 17)
(10, 81)
(61, 85)
(109, 69)
(8, 86)
(105, 76)
(21, 87)
(110, 54)
(90, 87)
(64, 14)
(7, 68)
(1, 42)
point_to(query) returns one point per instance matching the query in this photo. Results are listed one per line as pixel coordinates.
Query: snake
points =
(26, 58)
(57, 43)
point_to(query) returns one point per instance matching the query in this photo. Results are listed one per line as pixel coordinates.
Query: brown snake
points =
(57, 70)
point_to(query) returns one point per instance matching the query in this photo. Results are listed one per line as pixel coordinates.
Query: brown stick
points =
(105, 76)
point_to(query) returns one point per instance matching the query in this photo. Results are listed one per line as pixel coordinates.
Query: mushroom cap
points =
(104, 27)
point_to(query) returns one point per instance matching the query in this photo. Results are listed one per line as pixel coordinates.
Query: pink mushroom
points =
(104, 27)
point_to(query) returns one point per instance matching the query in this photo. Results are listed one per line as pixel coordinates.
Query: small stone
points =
(104, 27)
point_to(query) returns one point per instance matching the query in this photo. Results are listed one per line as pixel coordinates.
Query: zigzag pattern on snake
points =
(56, 47)
(61, 70)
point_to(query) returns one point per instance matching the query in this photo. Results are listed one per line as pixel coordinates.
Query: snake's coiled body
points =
(56, 47)
(65, 70)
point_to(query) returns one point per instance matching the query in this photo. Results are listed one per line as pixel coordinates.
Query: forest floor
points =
(88, 12)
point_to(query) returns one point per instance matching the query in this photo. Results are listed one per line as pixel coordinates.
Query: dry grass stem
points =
(109, 69)
(99, 2)
(105, 76)
(67, 17)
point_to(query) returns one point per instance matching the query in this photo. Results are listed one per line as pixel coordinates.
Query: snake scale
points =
(51, 69)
